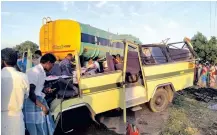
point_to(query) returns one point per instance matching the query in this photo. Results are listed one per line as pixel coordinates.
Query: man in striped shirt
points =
(66, 65)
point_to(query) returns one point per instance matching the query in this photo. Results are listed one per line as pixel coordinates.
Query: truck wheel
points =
(170, 94)
(159, 101)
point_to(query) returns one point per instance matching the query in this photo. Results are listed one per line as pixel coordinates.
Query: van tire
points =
(170, 93)
(159, 101)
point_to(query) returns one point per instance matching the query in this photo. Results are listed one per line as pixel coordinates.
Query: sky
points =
(151, 22)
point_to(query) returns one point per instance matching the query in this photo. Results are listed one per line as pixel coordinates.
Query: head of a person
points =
(48, 61)
(69, 57)
(25, 54)
(114, 57)
(97, 59)
(17, 52)
(90, 60)
(8, 57)
(200, 62)
(118, 56)
(38, 52)
(19, 56)
(146, 52)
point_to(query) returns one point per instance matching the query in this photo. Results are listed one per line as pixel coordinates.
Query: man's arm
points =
(65, 70)
(69, 69)
(33, 98)
(33, 78)
(32, 95)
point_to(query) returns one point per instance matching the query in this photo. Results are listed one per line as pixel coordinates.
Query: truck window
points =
(179, 51)
(102, 41)
(153, 55)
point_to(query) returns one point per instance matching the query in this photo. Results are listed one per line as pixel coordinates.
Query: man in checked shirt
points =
(66, 65)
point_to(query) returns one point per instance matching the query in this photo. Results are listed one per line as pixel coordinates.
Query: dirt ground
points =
(147, 122)
(187, 115)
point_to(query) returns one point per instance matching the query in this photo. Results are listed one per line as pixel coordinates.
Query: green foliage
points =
(205, 49)
(25, 45)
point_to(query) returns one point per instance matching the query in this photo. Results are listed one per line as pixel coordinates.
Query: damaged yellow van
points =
(149, 73)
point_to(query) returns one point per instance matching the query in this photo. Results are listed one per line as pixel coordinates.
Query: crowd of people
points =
(206, 75)
(24, 108)
(22, 60)
(23, 105)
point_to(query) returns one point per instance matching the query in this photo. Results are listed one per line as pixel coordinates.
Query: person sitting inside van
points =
(146, 54)
(114, 59)
(66, 65)
(91, 66)
(118, 59)
(97, 64)
(105, 65)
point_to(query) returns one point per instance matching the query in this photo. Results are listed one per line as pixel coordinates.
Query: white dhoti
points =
(12, 124)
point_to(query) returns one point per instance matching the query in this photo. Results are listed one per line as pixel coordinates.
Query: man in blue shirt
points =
(24, 62)
(66, 65)
(19, 61)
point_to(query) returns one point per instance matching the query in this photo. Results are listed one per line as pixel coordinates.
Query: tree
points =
(212, 49)
(25, 45)
(206, 50)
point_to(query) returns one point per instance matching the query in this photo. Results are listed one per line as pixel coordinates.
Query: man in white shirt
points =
(14, 89)
(92, 67)
(37, 57)
(35, 107)
(97, 64)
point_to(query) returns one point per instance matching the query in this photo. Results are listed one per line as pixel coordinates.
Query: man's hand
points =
(43, 107)
(45, 110)
(48, 90)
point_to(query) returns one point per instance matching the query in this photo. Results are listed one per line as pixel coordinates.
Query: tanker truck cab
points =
(149, 73)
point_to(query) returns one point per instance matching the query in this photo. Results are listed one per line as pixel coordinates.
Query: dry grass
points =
(189, 117)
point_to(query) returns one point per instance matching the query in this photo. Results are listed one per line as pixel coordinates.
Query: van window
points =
(153, 55)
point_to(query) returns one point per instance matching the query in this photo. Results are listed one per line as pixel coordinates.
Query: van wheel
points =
(160, 100)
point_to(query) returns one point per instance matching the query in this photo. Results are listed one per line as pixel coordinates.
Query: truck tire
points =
(159, 101)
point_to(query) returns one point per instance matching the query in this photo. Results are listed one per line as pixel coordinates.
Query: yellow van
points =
(149, 73)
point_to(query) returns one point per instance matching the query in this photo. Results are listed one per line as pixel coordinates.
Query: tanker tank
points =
(61, 37)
